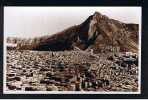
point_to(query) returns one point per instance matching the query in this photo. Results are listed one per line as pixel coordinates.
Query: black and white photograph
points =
(72, 50)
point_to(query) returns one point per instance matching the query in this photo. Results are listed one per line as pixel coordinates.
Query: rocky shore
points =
(70, 71)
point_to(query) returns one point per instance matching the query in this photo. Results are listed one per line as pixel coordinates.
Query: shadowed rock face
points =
(115, 33)
(96, 32)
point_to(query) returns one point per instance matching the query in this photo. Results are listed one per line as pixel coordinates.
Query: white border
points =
(75, 92)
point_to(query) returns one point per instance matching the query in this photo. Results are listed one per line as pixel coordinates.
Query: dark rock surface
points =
(70, 71)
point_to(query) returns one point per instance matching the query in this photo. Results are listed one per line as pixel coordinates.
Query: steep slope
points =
(97, 32)
(114, 34)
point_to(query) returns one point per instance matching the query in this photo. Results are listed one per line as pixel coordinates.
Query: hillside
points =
(97, 32)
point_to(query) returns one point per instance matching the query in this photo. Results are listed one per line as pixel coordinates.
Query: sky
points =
(29, 22)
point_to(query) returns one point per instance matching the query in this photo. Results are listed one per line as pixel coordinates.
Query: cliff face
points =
(113, 34)
(97, 32)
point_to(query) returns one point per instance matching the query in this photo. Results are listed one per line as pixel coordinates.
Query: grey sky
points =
(38, 21)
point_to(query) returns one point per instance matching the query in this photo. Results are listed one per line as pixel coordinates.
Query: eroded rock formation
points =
(97, 32)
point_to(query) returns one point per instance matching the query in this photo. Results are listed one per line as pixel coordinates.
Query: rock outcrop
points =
(97, 32)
